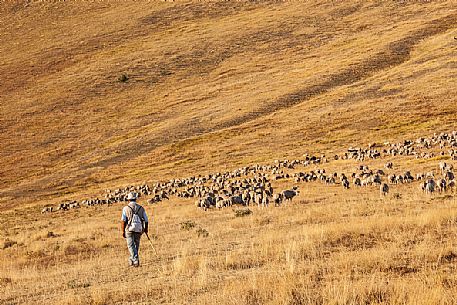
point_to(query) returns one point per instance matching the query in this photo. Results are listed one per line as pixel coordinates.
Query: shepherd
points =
(134, 223)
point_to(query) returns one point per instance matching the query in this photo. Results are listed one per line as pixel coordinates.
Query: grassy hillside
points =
(103, 94)
(330, 246)
(210, 85)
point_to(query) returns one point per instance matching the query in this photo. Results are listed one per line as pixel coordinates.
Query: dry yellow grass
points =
(328, 247)
(214, 85)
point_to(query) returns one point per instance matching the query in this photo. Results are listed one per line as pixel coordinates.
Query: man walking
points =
(134, 222)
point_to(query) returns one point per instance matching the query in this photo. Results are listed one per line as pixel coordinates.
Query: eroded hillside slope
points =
(210, 85)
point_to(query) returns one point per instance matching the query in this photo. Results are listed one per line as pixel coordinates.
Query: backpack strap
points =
(131, 218)
(133, 211)
(141, 216)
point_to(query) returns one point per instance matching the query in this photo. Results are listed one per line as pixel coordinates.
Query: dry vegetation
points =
(210, 86)
(329, 247)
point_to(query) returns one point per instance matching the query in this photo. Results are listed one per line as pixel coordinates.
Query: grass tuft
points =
(8, 243)
(202, 232)
(242, 212)
(123, 78)
(76, 284)
(187, 225)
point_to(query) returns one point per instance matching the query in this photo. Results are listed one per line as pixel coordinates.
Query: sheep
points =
(258, 198)
(277, 199)
(330, 180)
(74, 205)
(377, 179)
(230, 185)
(237, 200)
(223, 202)
(289, 194)
(445, 167)
(357, 182)
(392, 178)
(157, 198)
(265, 201)
(345, 183)
(380, 172)
(47, 210)
(388, 165)
(246, 196)
(384, 189)
(196, 202)
(408, 177)
(363, 182)
(430, 186)
(63, 207)
(420, 176)
(269, 190)
(449, 175)
(442, 185)
(207, 202)
(422, 186)
(451, 185)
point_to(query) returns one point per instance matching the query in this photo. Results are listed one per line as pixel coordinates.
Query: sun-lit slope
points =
(210, 85)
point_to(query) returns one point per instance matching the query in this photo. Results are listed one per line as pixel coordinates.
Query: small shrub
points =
(74, 284)
(448, 257)
(253, 297)
(244, 263)
(5, 281)
(202, 232)
(153, 237)
(78, 247)
(51, 234)
(38, 255)
(263, 221)
(445, 197)
(8, 243)
(187, 225)
(242, 212)
(296, 297)
(396, 196)
(123, 78)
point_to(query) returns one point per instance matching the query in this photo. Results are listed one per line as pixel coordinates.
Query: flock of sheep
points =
(252, 185)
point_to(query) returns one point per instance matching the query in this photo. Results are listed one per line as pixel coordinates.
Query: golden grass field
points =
(214, 85)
